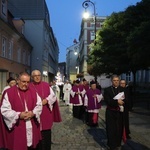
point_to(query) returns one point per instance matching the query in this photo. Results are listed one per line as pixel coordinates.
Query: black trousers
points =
(45, 144)
(38, 147)
(126, 121)
(114, 128)
(77, 110)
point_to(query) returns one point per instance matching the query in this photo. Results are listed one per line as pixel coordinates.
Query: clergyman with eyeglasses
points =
(20, 109)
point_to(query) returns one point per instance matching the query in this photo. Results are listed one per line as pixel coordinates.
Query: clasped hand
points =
(44, 101)
(78, 93)
(26, 115)
(120, 102)
(94, 95)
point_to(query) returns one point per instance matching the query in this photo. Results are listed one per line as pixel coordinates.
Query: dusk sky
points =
(66, 16)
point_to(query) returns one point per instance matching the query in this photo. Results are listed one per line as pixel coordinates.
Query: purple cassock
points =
(76, 99)
(86, 87)
(93, 103)
(3, 132)
(50, 112)
(14, 129)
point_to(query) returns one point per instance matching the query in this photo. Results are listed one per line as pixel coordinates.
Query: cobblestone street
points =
(73, 134)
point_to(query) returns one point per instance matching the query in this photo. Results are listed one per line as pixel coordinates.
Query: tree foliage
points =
(122, 45)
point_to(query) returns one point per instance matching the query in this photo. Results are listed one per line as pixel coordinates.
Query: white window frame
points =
(10, 50)
(128, 77)
(22, 29)
(19, 55)
(92, 35)
(28, 58)
(3, 46)
(45, 54)
(4, 8)
(92, 24)
(24, 57)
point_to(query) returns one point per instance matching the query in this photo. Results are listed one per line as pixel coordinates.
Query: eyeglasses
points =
(115, 80)
(37, 75)
(25, 82)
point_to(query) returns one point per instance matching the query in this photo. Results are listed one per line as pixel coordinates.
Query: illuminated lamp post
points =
(85, 5)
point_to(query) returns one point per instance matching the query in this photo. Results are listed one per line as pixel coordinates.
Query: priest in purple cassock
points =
(85, 87)
(50, 112)
(92, 103)
(85, 84)
(76, 99)
(83, 110)
(20, 116)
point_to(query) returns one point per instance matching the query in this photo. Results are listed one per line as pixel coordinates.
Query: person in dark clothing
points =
(84, 112)
(61, 91)
(126, 108)
(130, 90)
(114, 116)
(98, 86)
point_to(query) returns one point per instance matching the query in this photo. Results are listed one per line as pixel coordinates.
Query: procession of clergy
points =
(28, 110)
(86, 99)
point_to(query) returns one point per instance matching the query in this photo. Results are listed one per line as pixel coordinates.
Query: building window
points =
(28, 59)
(24, 57)
(45, 55)
(10, 50)
(47, 18)
(4, 47)
(46, 35)
(4, 7)
(92, 35)
(22, 29)
(128, 77)
(19, 55)
(93, 24)
(101, 24)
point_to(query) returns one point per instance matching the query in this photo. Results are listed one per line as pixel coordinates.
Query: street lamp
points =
(85, 5)
(76, 50)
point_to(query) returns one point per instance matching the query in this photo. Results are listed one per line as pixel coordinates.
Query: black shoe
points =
(128, 137)
(131, 110)
(118, 148)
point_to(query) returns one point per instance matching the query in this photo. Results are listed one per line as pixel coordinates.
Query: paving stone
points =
(73, 134)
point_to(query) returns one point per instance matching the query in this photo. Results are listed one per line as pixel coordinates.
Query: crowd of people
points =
(86, 101)
(29, 106)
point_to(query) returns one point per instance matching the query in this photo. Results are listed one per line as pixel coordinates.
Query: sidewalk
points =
(73, 134)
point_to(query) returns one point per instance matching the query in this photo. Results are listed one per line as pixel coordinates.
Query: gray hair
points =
(32, 73)
(114, 76)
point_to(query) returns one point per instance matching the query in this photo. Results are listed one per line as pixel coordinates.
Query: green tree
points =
(137, 18)
(116, 49)
(110, 49)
